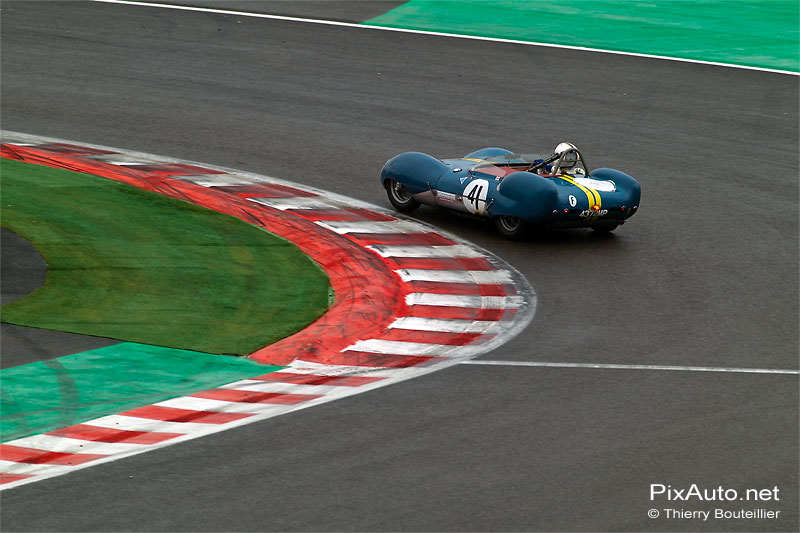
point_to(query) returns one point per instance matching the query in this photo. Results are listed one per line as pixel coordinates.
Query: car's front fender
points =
(417, 171)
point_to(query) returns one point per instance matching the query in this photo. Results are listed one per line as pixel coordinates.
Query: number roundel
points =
(474, 196)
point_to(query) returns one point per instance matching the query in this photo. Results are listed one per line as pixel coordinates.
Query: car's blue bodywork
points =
(517, 191)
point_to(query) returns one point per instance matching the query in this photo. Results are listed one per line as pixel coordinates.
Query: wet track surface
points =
(704, 275)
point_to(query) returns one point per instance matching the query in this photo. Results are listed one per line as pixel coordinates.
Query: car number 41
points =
(474, 196)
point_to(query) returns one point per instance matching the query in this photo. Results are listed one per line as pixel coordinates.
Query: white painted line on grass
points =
(633, 367)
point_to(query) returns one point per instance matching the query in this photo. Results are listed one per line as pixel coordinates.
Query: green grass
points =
(136, 266)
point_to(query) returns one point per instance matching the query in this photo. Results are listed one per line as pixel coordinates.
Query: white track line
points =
(366, 26)
(634, 367)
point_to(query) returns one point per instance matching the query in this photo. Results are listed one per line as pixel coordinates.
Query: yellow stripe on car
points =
(592, 195)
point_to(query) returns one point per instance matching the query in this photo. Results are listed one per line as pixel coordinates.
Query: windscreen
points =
(521, 160)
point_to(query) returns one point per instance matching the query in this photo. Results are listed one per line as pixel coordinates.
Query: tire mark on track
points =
(409, 300)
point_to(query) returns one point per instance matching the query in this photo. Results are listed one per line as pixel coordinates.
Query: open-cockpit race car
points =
(517, 191)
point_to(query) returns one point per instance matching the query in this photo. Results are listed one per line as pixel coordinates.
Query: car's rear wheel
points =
(399, 196)
(513, 228)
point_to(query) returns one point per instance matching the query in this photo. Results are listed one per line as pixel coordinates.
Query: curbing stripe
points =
(456, 276)
(294, 203)
(451, 326)
(13, 469)
(133, 423)
(250, 396)
(464, 289)
(12, 478)
(10, 475)
(174, 414)
(402, 239)
(222, 406)
(459, 313)
(344, 227)
(410, 300)
(86, 432)
(333, 213)
(63, 444)
(318, 380)
(22, 454)
(367, 361)
(275, 387)
(441, 263)
(429, 337)
(385, 347)
(457, 250)
(460, 300)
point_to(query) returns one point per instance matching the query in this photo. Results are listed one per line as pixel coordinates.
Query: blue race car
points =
(517, 191)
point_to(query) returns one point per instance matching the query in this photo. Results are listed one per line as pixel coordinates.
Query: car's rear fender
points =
(525, 195)
(417, 171)
(629, 192)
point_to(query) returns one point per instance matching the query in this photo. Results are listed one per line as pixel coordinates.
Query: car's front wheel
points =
(513, 228)
(399, 196)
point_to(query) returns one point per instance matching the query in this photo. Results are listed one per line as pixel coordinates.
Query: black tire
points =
(399, 196)
(513, 228)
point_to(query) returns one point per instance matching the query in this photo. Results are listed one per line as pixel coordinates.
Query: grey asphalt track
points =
(706, 274)
(22, 270)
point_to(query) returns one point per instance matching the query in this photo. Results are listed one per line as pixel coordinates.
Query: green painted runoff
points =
(756, 33)
(47, 395)
(137, 266)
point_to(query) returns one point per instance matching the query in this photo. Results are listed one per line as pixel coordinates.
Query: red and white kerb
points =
(409, 300)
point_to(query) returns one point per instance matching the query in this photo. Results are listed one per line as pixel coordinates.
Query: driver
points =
(567, 163)
(565, 160)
